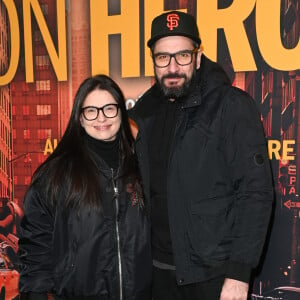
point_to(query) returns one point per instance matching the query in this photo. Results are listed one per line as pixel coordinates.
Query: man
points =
(205, 166)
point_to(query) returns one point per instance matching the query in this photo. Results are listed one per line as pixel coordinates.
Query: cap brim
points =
(157, 37)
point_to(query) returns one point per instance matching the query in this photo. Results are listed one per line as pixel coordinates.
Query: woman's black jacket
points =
(86, 254)
(219, 183)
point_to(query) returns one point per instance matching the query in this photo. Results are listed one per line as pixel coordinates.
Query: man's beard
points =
(176, 91)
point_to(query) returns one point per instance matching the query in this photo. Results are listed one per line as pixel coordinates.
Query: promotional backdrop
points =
(48, 47)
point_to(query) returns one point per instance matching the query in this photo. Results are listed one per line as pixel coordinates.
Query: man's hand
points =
(234, 290)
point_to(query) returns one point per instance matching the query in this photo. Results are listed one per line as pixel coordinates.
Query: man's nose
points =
(173, 66)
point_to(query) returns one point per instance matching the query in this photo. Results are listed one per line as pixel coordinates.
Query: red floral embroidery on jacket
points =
(133, 194)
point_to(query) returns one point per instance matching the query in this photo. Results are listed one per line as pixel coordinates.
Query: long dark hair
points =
(69, 170)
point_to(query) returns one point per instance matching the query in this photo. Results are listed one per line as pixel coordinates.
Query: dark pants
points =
(165, 287)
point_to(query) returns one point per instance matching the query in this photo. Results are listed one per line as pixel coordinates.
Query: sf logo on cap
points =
(172, 21)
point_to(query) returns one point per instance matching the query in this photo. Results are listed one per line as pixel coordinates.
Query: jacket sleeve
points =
(35, 244)
(249, 167)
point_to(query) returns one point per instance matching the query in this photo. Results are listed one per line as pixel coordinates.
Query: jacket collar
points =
(208, 77)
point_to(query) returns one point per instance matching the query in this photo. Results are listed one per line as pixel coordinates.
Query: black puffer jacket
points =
(219, 184)
(86, 254)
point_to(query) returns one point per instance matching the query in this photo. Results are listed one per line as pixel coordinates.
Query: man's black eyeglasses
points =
(182, 58)
(91, 113)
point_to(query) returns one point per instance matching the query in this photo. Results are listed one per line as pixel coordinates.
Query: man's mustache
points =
(174, 75)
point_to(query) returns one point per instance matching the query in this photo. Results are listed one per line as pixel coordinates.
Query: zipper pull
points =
(114, 183)
(116, 190)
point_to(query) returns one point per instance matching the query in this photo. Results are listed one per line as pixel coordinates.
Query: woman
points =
(85, 233)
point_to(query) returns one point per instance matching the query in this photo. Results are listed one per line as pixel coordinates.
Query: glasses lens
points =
(90, 113)
(184, 57)
(110, 111)
(162, 60)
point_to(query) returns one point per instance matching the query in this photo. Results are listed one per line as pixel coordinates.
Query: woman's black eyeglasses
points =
(91, 113)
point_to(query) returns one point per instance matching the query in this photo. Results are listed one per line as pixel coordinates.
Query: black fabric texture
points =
(160, 144)
(108, 151)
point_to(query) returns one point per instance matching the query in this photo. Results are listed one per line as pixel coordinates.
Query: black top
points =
(108, 151)
(160, 144)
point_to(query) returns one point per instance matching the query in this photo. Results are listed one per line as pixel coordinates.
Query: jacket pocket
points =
(64, 268)
(209, 228)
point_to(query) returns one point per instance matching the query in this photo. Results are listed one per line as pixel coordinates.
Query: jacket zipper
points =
(116, 198)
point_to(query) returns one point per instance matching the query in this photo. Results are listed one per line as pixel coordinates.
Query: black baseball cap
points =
(174, 23)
